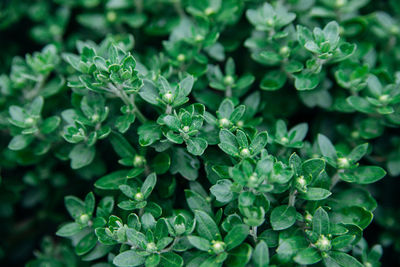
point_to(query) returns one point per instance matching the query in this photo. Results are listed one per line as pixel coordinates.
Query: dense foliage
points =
(199, 133)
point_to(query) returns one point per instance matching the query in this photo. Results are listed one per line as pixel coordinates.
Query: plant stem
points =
(292, 198)
(336, 178)
(228, 92)
(129, 101)
(170, 247)
(253, 233)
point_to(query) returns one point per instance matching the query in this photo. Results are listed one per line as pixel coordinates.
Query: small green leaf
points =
(222, 190)
(326, 147)
(20, 142)
(170, 259)
(128, 258)
(148, 185)
(273, 80)
(342, 259)
(196, 146)
(307, 256)
(111, 181)
(314, 193)
(69, 229)
(283, 217)
(236, 236)
(260, 256)
(199, 242)
(86, 244)
(320, 222)
(239, 256)
(81, 155)
(205, 225)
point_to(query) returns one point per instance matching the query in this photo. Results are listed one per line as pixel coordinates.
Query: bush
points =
(199, 133)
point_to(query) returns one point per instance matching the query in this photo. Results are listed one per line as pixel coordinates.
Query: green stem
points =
(292, 198)
(129, 101)
(336, 179)
(228, 92)
(170, 247)
(253, 233)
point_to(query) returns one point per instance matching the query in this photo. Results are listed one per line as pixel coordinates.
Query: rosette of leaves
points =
(326, 47)
(183, 127)
(28, 125)
(230, 82)
(84, 127)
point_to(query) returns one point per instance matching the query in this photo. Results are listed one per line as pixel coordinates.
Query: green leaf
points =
(360, 104)
(149, 133)
(222, 190)
(273, 80)
(20, 142)
(50, 124)
(86, 244)
(170, 259)
(152, 260)
(69, 229)
(111, 181)
(186, 85)
(341, 259)
(205, 225)
(197, 202)
(239, 256)
(199, 242)
(260, 256)
(331, 32)
(342, 241)
(121, 146)
(35, 108)
(161, 163)
(320, 222)
(259, 142)
(306, 81)
(103, 237)
(196, 146)
(128, 258)
(226, 108)
(314, 193)
(172, 122)
(228, 143)
(149, 185)
(326, 147)
(353, 215)
(75, 206)
(283, 217)
(368, 174)
(307, 256)
(81, 155)
(98, 252)
(236, 236)
(358, 152)
(185, 164)
(313, 166)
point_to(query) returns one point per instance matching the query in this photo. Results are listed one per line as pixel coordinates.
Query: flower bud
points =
(139, 196)
(245, 152)
(343, 163)
(168, 97)
(84, 218)
(218, 247)
(228, 80)
(224, 122)
(181, 57)
(323, 243)
(151, 247)
(139, 161)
